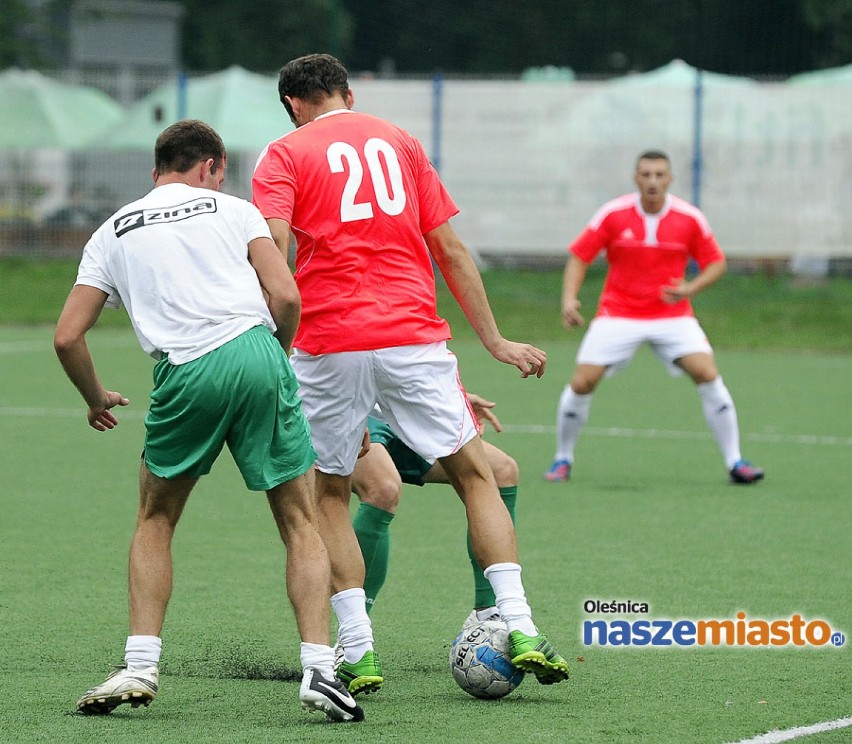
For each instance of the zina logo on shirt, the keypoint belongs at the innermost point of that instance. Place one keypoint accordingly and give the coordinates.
(159, 216)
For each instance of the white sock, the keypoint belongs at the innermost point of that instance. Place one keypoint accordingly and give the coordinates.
(486, 612)
(571, 417)
(354, 630)
(317, 656)
(142, 651)
(505, 579)
(721, 416)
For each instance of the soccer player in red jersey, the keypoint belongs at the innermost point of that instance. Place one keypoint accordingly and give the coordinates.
(649, 238)
(370, 214)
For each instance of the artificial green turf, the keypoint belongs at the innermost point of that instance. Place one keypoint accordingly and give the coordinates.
(742, 311)
(750, 311)
(648, 516)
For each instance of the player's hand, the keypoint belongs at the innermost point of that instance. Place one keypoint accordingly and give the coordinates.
(482, 411)
(101, 417)
(365, 444)
(526, 357)
(571, 317)
(678, 289)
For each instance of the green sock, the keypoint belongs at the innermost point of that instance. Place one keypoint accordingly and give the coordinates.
(483, 594)
(372, 528)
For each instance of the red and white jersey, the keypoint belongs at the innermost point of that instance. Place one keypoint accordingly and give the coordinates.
(646, 252)
(359, 193)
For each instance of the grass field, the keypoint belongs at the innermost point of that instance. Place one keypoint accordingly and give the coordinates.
(649, 516)
(745, 311)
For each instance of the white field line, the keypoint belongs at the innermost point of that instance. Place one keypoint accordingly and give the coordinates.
(95, 341)
(811, 439)
(614, 431)
(775, 737)
(17, 347)
(65, 412)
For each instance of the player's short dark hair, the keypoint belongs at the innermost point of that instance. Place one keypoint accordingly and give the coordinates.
(184, 144)
(312, 78)
(653, 155)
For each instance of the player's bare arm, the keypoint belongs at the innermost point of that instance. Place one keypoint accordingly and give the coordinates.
(463, 279)
(280, 230)
(465, 283)
(572, 280)
(680, 288)
(482, 411)
(365, 444)
(279, 288)
(82, 309)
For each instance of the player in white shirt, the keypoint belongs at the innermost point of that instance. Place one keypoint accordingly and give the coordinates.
(205, 288)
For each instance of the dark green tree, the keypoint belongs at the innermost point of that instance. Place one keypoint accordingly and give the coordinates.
(263, 34)
(506, 36)
(831, 22)
(761, 37)
(17, 34)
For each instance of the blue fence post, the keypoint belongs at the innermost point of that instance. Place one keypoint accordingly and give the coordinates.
(697, 134)
(437, 103)
(182, 83)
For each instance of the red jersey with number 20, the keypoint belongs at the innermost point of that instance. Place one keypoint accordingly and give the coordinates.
(646, 252)
(359, 193)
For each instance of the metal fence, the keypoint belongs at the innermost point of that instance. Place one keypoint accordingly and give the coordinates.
(529, 162)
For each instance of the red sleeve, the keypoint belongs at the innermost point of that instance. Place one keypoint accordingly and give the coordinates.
(589, 243)
(273, 186)
(436, 204)
(707, 251)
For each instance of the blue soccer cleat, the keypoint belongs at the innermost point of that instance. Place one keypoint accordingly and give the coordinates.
(560, 470)
(744, 472)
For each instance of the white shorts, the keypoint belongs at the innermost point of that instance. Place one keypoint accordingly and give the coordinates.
(417, 389)
(612, 342)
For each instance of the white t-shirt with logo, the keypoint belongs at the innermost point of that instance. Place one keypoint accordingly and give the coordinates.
(178, 260)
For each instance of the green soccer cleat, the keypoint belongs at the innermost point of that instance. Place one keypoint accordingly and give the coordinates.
(362, 676)
(535, 654)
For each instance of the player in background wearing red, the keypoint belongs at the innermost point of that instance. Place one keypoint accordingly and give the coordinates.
(649, 238)
(369, 214)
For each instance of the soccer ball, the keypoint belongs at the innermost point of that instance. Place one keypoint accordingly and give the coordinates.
(480, 663)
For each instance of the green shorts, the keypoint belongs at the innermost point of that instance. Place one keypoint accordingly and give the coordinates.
(411, 467)
(243, 394)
